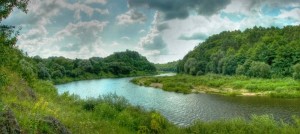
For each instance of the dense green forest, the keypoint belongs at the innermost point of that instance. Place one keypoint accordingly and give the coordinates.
(257, 52)
(119, 64)
(167, 67)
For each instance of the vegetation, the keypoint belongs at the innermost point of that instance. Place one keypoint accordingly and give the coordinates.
(119, 64)
(258, 52)
(228, 85)
(167, 67)
(29, 103)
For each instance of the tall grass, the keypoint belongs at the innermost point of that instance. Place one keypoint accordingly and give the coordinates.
(287, 87)
(109, 114)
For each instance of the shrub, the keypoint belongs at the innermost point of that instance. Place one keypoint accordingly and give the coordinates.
(27, 70)
(240, 70)
(89, 105)
(3, 79)
(296, 69)
(260, 69)
(106, 111)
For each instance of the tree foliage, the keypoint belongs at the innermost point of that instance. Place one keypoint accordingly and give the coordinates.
(273, 50)
(296, 73)
(118, 64)
(7, 6)
(167, 67)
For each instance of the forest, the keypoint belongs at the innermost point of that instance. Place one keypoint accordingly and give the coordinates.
(119, 64)
(167, 67)
(256, 52)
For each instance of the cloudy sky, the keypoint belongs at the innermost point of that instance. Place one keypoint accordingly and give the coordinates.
(161, 30)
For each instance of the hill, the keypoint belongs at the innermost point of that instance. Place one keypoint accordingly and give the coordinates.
(256, 52)
(119, 64)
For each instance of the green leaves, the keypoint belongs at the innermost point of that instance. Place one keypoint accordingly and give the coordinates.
(232, 52)
(6, 7)
(296, 73)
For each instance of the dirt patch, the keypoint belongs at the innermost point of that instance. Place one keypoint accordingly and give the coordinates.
(156, 85)
(239, 92)
(57, 125)
(8, 122)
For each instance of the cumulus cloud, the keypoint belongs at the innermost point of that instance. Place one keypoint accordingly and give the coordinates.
(153, 43)
(181, 8)
(76, 40)
(81, 34)
(42, 11)
(292, 14)
(130, 17)
(195, 36)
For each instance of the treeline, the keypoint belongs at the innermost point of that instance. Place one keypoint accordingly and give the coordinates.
(257, 52)
(119, 64)
(167, 67)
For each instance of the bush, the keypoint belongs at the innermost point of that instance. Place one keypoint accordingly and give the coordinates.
(57, 74)
(27, 70)
(240, 70)
(89, 105)
(296, 69)
(3, 79)
(260, 69)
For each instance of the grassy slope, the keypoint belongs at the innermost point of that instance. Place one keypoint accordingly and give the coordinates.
(229, 85)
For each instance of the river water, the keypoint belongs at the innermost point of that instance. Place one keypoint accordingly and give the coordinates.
(184, 109)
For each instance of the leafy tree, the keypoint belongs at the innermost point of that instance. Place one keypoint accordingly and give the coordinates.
(43, 72)
(229, 65)
(296, 69)
(57, 74)
(191, 66)
(260, 69)
(27, 70)
(240, 70)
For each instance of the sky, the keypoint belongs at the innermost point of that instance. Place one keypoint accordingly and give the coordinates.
(161, 30)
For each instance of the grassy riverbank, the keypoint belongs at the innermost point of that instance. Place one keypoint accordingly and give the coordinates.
(48, 112)
(227, 85)
(89, 76)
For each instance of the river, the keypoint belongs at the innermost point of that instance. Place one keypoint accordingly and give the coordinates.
(184, 109)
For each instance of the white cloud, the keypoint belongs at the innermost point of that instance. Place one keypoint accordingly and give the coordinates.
(125, 38)
(76, 40)
(292, 14)
(153, 44)
(142, 31)
(130, 17)
(81, 34)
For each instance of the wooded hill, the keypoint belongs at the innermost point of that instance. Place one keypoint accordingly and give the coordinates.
(256, 52)
(128, 63)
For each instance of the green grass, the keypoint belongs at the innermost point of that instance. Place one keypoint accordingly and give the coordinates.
(110, 114)
(285, 88)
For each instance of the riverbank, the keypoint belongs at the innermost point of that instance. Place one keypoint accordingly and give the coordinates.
(65, 80)
(225, 85)
(48, 112)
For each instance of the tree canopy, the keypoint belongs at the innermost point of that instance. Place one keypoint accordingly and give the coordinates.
(256, 52)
